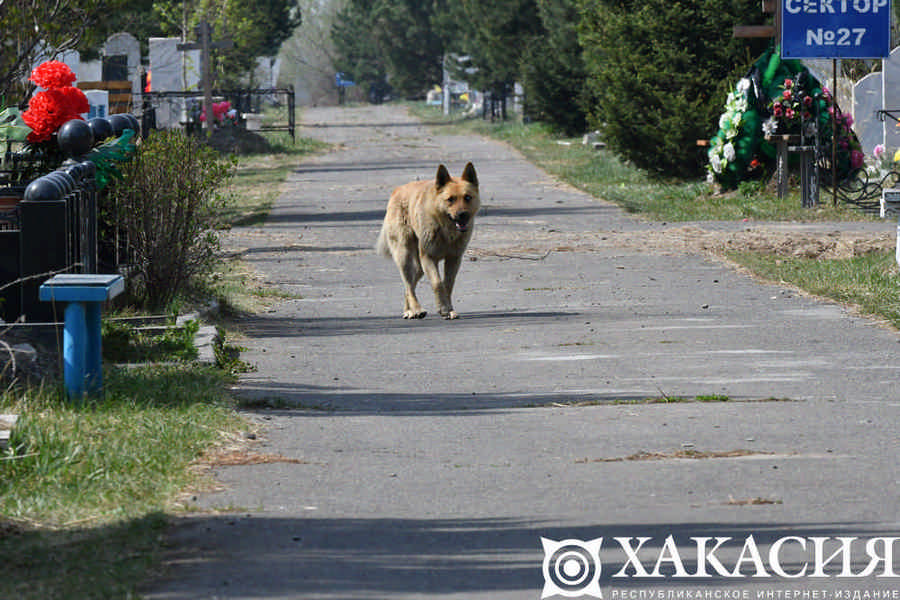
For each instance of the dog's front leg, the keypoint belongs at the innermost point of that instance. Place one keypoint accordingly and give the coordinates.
(441, 295)
(451, 268)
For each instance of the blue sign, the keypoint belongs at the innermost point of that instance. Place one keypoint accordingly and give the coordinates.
(835, 28)
(340, 80)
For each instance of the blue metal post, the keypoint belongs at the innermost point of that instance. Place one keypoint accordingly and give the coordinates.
(74, 345)
(82, 352)
(93, 350)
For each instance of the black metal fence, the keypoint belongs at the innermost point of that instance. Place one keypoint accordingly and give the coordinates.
(242, 100)
(46, 227)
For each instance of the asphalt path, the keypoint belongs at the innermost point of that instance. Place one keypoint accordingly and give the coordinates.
(427, 459)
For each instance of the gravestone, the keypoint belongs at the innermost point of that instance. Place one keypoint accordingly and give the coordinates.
(172, 70)
(122, 61)
(874, 92)
(892, 100)
(866, 100)
(84, 70)
(265, 75)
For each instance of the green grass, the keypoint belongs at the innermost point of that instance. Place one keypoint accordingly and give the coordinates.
(868, 282)
(605, 176)
(258, 178)
(84, 486)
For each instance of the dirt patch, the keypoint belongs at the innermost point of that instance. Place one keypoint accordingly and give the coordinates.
(790, 244)
(676, 455)
(692, 239)
(235, 458)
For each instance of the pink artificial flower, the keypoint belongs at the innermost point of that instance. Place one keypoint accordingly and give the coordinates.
(786, 94)
(788, 84)
(879, 151)
(857, 159)
(789, 113)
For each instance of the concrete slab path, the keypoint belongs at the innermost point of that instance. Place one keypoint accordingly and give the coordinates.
(427, 459)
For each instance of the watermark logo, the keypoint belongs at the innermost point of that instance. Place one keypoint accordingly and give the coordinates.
(572, 568)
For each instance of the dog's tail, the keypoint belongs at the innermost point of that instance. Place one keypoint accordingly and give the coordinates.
(381, 246)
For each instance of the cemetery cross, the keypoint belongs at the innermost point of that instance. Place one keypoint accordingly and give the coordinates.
(204, 32)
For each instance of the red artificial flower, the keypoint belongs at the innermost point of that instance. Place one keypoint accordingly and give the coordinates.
(786, 94)
(52, 74)
(48, 110)
(754, 164)
(788, 84)
(76, 101)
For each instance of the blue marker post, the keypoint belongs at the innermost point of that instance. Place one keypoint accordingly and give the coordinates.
(83, 368)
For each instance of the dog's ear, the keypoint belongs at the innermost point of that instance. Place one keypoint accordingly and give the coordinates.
(443, 177)
(469, 174)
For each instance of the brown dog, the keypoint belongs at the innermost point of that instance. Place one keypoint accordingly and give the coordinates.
(427, 222)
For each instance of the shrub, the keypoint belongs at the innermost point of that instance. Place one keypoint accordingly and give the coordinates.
(166, 203)
(658, 72)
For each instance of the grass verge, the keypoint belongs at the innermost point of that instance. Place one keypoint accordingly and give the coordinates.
(603, 175)
(868, 282)
(258, 178)
(84, 486)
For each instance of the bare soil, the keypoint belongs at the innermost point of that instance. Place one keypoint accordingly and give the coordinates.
(782, 241)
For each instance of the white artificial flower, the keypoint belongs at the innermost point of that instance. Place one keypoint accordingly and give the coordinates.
(769, 126)
(728, 152)
(743, 85)
(716, 163)
(724, 121)
(736, 120)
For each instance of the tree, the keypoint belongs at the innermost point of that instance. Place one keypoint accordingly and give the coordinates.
(308, 56)
(389, 40)
(358, 53)
(257, 28)
(494, 38)
(658, 73)
(412, 49)
(553, 72)
(29, 29)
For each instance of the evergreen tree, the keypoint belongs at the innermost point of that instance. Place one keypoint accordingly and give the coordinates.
(494, 37)
(659, 71)
(357, 52)
(553, 73)
(392, 40)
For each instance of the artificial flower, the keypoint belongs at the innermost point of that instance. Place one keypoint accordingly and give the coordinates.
(52, 74)
(728, 151)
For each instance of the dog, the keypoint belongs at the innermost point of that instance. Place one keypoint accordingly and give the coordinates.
(427, 222)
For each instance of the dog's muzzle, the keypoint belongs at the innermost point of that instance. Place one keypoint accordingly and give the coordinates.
(461, 221)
